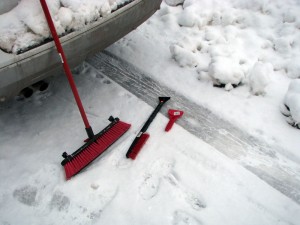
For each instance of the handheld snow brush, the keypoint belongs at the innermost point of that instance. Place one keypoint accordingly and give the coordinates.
(96, 144)
(142, 137)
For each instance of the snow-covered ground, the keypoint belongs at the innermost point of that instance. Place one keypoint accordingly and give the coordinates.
(177, 178)
(231, 42)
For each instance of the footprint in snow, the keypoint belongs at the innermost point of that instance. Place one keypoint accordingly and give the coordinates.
(59, 201)
(195, 201)
(183, 218)
(99, 76)
(106, 81)
(192, 198)
(81, 68)
(94, 215)
(5, 223)
(26, 195)
(87, 209)
(150, 185)
(103, 195)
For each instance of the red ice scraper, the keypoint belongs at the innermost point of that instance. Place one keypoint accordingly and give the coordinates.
(173, 115)
(142, 137)
(96, 144)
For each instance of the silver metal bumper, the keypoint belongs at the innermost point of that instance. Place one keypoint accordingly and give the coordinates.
(23, 70)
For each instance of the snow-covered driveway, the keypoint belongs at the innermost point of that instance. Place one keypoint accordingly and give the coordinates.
(233, 158)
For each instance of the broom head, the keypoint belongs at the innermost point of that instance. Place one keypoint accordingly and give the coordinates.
(75, 162)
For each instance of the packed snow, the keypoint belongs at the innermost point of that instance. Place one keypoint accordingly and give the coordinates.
(236, 35)
(25, 25)
(176, 178)
(249, 47)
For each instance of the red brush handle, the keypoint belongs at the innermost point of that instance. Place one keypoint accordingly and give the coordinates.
(65, 63)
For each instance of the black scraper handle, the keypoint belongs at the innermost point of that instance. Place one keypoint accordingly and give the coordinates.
(162, 101)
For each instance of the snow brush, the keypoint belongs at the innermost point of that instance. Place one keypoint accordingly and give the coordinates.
(96, 144)
(142, 137)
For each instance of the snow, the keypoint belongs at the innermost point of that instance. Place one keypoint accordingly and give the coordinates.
(232, 45)
(292, 102)
(176, 178)
(259, 77)
(221, 73)
(174, 2)
(249, 47)
(182, 56)
(27, 19)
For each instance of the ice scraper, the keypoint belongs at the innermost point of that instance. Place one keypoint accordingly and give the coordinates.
(173, 115)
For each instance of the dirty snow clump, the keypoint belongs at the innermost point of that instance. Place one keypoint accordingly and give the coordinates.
(224, 70)
(291, 107)
(174, 2)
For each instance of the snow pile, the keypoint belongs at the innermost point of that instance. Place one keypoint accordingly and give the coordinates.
(25, 26)
(87, 11)
(259, 77)
(221, 73)
(183, 56)
(291, 107)
(245, 40)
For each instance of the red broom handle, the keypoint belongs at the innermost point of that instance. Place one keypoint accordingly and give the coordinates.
(65, 63)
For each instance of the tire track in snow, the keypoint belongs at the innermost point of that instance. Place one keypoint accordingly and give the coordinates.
(264, 161)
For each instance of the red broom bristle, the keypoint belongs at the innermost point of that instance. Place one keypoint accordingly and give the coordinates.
(138, 146)
(95, 149)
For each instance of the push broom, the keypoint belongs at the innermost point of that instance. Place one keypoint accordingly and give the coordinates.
(96, 144)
